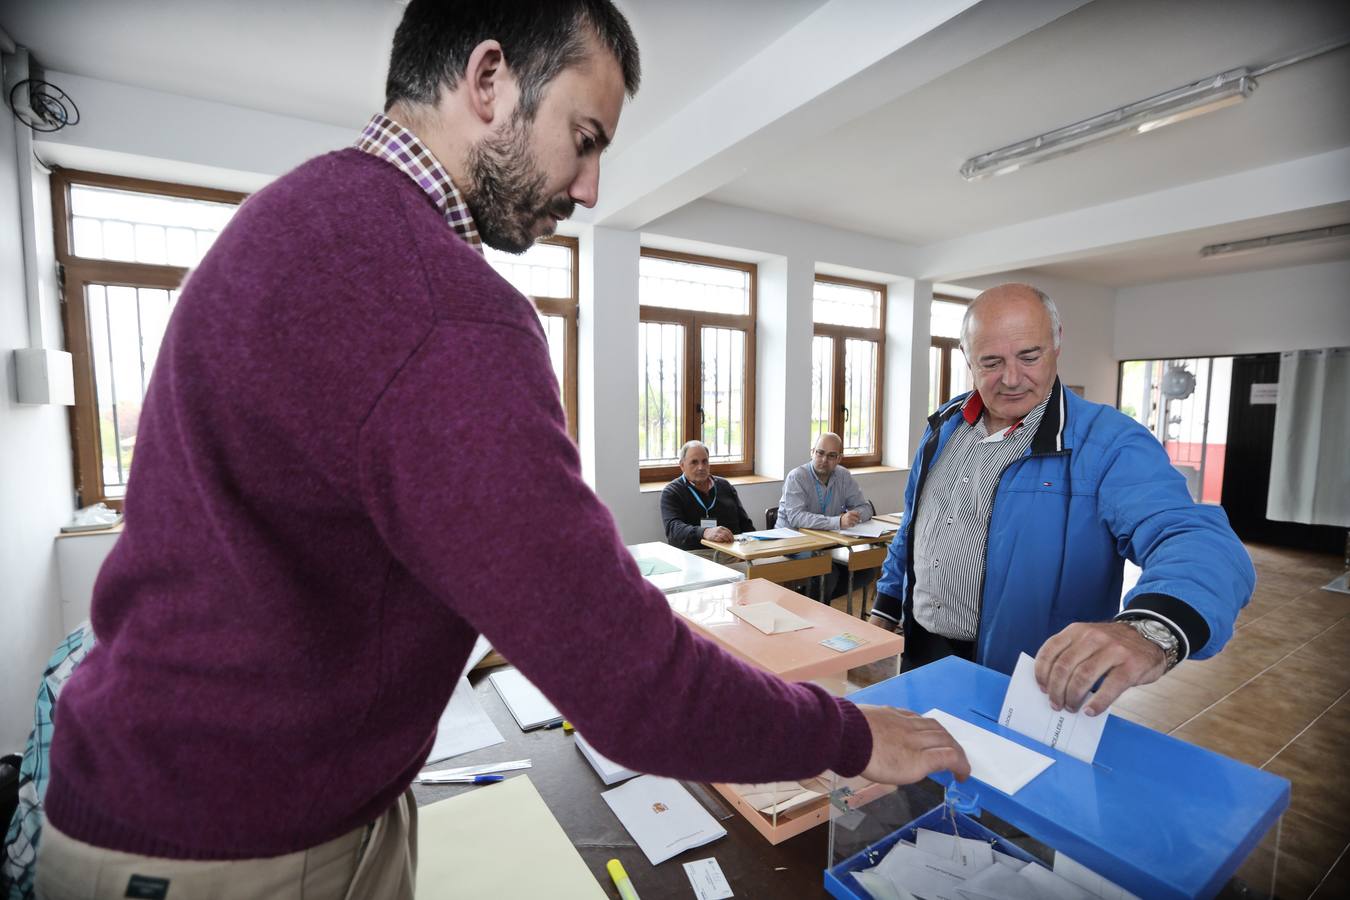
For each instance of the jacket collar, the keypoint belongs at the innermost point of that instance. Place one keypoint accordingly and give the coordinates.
(1049, 436)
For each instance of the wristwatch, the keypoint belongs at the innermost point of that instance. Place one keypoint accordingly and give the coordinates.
(1157, 633)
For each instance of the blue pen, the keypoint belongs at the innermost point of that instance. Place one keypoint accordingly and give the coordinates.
(472, 779)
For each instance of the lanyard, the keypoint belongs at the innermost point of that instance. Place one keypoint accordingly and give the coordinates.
(707, 507)
(823, 498)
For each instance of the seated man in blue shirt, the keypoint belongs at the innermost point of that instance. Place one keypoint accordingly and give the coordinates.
(822, 494)
(699, 505)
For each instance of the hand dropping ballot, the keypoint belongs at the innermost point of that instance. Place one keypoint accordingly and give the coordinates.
(1026, 709)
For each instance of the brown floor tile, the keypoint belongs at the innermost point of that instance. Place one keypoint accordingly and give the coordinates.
(1330, 735)
(1157, 713)
(1274, 636)
(1321, 788)
(1242, 739)
(1336, 884)
(1311, 840)
(1192, 695)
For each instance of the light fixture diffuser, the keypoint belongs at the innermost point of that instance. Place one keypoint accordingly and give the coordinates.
(1142, 116)
(1228, 248)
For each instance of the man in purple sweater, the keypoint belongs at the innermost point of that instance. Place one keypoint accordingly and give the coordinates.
(302, 576)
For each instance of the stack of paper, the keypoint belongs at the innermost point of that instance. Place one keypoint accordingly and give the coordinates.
(872, 528)
(775, 798)
(769, 618)
(528, 705)
(662, 817)
(939, 866)
(609, 771)
(769, 534)
(1026, 710)
(464, 726)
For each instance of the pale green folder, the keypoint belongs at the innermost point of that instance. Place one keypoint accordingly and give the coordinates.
(498, 840)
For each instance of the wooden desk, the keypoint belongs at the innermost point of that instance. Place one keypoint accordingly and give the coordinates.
(780, 570)
(893, 518)
(860, 554)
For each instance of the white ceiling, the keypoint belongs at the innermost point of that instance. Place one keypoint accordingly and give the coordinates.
(1177, 256)
(325, 60)
(893, 173)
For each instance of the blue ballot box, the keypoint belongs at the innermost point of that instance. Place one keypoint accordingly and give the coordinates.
(1157, 816)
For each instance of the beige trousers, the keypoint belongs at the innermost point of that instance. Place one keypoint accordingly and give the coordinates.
(375, 862)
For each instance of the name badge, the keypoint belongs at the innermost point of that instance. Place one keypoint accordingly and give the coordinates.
(707, 523)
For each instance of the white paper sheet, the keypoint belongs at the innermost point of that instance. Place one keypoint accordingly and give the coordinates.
(1071, 870)
(872, 528)
(662, 817)
(464, 726)
(995, 760)
(967, 851)
(528, 705)
(770, 618)
(706, 877)
(1026, 710)
(609, 771)
(769, 534)
(1000, 883)
(924, 874)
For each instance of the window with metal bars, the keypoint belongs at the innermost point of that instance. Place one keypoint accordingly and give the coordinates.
(696, 362)
(948, 374)
(547, 274)
(848, 365)
(123, 246)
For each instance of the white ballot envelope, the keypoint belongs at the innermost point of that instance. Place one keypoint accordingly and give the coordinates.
(770, 618)
(994, 759)
(1026, 710)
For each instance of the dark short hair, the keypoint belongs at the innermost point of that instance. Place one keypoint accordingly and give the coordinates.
(539, 38)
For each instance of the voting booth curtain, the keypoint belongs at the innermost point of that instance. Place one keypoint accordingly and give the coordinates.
(1309, 473)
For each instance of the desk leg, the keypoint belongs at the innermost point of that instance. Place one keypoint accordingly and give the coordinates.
(849, 601)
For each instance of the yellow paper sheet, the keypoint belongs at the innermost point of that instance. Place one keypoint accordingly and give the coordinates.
(498, 840)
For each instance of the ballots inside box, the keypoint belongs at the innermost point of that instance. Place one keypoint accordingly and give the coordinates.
(1205, 813)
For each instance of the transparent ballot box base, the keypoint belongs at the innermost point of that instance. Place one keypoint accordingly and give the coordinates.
(864, 862)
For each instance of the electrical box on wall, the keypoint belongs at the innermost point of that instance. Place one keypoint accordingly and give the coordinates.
(44, 377)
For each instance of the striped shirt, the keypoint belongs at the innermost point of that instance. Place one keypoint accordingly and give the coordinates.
(951, 524)
(387, 140)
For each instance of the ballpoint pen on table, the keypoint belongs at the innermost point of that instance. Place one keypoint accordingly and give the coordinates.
(472, 779)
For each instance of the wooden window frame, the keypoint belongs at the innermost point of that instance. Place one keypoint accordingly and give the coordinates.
(840, 334)
(75, 273)
(567, 308)
(948, 346)
(693, 323)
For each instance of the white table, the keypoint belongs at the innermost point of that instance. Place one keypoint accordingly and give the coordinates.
(693, 572)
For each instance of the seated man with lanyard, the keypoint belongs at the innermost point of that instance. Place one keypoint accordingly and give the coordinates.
(822, 494)
(699, 505)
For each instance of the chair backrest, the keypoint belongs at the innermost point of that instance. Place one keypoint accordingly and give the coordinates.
(771, 517)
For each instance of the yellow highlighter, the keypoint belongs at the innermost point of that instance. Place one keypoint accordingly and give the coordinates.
(621, 881)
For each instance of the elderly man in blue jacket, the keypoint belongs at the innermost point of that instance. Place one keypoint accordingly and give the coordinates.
(1022, 504)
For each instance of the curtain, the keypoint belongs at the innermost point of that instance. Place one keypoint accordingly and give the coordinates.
(1310, 465)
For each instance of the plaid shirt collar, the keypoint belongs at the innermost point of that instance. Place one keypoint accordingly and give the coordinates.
(386, 139)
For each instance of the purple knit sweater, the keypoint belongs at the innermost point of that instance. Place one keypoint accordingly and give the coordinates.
(350, 418)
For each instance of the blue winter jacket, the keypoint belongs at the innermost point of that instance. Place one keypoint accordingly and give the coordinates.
(1094, 488)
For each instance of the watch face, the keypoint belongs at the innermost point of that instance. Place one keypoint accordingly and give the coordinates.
(1158, 631)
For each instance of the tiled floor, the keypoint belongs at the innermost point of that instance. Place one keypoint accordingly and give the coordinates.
(1277, 697)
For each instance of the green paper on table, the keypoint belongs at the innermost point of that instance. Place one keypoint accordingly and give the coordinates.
(650, 567)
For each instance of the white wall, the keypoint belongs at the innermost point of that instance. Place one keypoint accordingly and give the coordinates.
(36, 484)
(1087, 355)
(1254, 312)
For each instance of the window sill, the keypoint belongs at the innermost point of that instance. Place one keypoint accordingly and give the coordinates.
(648, 487)
(874, 470)
(95, 532)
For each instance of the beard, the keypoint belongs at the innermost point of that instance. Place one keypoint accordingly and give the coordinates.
(506, 192)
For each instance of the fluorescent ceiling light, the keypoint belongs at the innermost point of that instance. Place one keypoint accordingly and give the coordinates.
(1167, 108)
(1331, 232)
